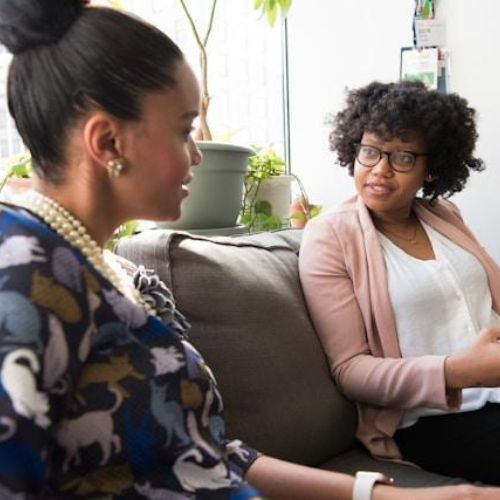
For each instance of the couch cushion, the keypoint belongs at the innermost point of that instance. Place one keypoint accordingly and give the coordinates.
(249, 320)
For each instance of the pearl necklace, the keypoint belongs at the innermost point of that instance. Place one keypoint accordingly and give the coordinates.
(75, 233)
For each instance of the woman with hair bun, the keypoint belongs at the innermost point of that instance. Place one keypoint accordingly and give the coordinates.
(405, 300)
(101, 395)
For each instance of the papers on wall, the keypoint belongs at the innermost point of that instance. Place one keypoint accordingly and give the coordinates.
(430, 33)
(420, 64)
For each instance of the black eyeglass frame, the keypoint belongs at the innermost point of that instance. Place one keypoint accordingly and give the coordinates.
(357, 147)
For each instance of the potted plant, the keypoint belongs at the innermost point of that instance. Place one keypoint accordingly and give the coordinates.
(217, 187)
(267, 194)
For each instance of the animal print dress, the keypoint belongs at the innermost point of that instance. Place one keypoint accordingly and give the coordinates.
(97, 398)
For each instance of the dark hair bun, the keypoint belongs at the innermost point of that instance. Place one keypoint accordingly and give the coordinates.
(24, 24)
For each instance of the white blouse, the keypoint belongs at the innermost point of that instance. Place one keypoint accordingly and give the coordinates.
(439, 307)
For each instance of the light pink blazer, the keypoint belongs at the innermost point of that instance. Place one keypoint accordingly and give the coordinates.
(344, 280)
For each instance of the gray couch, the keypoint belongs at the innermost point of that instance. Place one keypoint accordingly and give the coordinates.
(243, 299)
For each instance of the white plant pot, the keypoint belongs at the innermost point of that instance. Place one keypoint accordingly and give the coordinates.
(277, 192)
(216, 189)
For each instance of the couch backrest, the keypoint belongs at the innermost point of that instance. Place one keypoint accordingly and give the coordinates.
(243, 299)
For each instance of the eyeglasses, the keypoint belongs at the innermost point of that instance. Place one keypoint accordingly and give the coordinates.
(400, 161)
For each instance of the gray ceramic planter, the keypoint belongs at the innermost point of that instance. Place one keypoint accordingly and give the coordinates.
(216, 189)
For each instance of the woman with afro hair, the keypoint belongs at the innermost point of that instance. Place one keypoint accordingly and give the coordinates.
(405, 300)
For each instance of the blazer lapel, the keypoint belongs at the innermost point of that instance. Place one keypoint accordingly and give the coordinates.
(385, 340)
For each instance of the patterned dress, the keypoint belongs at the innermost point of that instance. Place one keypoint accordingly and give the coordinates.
(97, 398)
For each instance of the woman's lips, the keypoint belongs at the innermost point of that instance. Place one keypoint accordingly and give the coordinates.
(187, 179)
(185, 182)
(378, 189)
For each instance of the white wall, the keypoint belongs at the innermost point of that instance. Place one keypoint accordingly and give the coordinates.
(336, 45)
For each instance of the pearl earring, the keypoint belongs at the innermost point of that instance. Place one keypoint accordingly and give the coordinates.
(115, 166)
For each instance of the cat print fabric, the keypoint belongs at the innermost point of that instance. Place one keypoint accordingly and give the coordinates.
(97, 398)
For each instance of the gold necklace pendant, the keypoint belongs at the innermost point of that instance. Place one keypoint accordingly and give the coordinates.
(410, 239)
(75, 233)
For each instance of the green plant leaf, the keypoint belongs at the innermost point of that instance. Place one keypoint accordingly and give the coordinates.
(17, 166)
(271, 8)
(116, 4)
(272, 14)
(263, 207)
(245, 219)
(316, 210)
(22, 170)
(264, 164)
(123, 231)
(298, 216)
(263, 222)
(285, 6)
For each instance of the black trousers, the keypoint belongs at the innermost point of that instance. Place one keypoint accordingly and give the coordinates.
(463, 445)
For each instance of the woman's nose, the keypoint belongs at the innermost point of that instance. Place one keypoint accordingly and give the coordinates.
(383, 167)
(195, 153)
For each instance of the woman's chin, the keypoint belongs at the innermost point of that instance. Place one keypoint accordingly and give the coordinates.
(168, 215)
(171, 217)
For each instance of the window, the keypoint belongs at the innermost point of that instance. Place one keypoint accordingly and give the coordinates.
(10, 142)
(245, 70)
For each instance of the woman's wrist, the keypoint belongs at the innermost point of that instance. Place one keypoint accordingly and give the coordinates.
(385, 492)
(365, 483)
(453, 373)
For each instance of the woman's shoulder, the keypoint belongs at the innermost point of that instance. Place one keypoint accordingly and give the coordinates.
(37, 263)
(23, 238)
(18, 222)
(437, 204)
(337, 231)
(440, 207)
(342, 217)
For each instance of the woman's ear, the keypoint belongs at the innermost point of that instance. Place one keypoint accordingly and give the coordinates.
(100, 136)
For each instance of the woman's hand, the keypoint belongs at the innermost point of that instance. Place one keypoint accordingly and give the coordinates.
(460, 491)
(478, 365)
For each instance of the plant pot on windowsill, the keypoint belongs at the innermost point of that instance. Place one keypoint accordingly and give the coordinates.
(267, 192)
(216, 189)
(277, 192)
(267, 203)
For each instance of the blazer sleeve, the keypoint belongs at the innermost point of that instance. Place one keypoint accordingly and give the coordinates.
(340, 321)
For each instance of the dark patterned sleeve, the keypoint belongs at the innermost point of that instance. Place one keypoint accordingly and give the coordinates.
(203, 460)
(44, 335)
(225, 463)
(158, 295)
